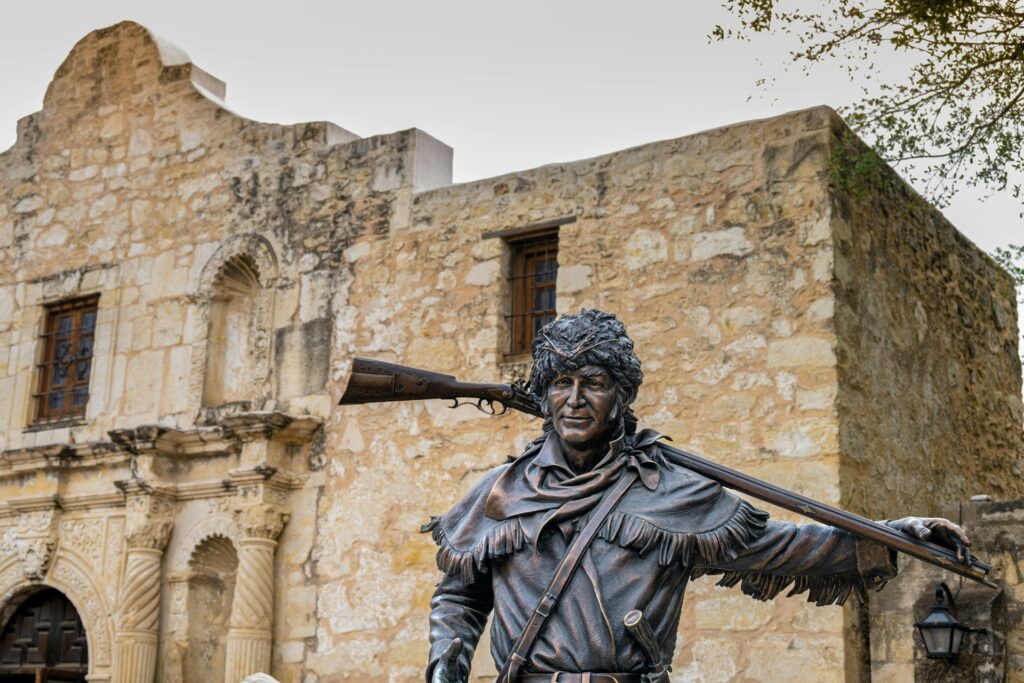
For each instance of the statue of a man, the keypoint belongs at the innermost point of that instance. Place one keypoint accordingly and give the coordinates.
(500, 545)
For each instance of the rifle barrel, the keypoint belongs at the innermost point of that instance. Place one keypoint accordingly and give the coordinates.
(832, 516)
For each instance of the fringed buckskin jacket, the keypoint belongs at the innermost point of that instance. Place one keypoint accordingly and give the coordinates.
(499, 546)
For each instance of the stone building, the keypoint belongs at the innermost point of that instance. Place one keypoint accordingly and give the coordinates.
(182, 291)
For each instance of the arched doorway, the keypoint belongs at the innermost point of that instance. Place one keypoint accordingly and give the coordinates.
(44, 642)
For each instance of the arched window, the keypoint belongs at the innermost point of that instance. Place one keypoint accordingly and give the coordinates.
(229, 342)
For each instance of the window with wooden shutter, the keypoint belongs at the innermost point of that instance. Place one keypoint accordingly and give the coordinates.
(532, 276)
(68, 337)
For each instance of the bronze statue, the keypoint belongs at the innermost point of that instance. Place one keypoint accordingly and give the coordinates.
(583, 545)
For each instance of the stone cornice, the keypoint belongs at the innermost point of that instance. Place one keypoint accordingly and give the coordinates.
(199, 441)
(15, 462)
(225, 437)
(140, 487)
(263, 474)
(247, 425)
(34, 503)
(13, 506)
(92, 500)
(222, 432)
(192, 490)
(214, 488)
(206, 488)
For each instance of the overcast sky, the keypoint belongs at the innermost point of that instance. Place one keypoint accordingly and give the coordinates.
(508, 85)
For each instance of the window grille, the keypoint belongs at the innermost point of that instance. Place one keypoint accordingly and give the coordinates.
(532, 276)
(63, 389)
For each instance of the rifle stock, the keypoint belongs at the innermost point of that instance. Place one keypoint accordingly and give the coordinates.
(374, 381)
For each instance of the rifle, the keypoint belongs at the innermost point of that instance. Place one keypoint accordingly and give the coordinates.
(373, 381)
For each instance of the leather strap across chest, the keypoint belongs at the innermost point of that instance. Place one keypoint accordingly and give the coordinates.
(510, 671)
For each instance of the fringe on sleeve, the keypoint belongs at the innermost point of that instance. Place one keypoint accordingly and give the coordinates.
(829, 589)
(504, 539)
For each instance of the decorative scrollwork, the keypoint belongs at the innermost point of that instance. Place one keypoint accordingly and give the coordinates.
(261, 521)
(36, 539)
(149, 521)
(484, 405)
(73, 580)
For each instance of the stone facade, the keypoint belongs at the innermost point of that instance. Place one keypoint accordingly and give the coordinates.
(216, 511)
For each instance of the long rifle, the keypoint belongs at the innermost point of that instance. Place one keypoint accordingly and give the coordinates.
(373, 381)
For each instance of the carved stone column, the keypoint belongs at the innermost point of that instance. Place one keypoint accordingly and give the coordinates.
(147, 530)
(176, 637)
(252, 610)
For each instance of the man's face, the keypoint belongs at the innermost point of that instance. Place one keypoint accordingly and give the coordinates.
(581, 403)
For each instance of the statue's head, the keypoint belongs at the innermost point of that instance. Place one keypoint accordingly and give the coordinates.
(574, 348)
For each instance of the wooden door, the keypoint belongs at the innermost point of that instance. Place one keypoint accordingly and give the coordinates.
(44, 642)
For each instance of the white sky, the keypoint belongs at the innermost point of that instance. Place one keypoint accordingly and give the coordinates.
(509, 85)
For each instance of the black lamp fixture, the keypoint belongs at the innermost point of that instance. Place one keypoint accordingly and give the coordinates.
(941, 632)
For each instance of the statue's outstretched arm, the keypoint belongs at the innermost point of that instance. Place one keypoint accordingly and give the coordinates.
(824, 562)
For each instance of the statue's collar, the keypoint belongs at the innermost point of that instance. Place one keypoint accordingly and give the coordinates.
(551, 454)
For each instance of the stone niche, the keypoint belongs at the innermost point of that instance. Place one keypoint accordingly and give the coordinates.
(210, 590)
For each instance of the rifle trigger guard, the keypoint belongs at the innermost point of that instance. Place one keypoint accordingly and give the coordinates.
(484, 405)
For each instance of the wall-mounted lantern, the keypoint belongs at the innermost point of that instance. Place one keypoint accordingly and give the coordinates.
(941, 632)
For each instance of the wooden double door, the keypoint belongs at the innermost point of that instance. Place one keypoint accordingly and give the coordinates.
(44, 642)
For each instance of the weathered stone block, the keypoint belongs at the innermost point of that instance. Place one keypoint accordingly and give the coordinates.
(800, 351)
(729, 242)
(483, 274)
(776, 657)
(645, 248)
(143, 382)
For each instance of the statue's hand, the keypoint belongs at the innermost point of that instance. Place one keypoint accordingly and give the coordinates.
(447, 668)
(937, 530)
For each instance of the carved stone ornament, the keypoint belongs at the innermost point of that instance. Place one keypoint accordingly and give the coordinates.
(261, 521)
(36, 539)
(35, 557)
(149, 518)
(260, 494)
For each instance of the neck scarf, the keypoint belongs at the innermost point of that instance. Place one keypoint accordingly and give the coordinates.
(546, 482)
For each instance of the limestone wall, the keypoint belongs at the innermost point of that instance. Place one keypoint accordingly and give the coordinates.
(928, 398)
(929, 393)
